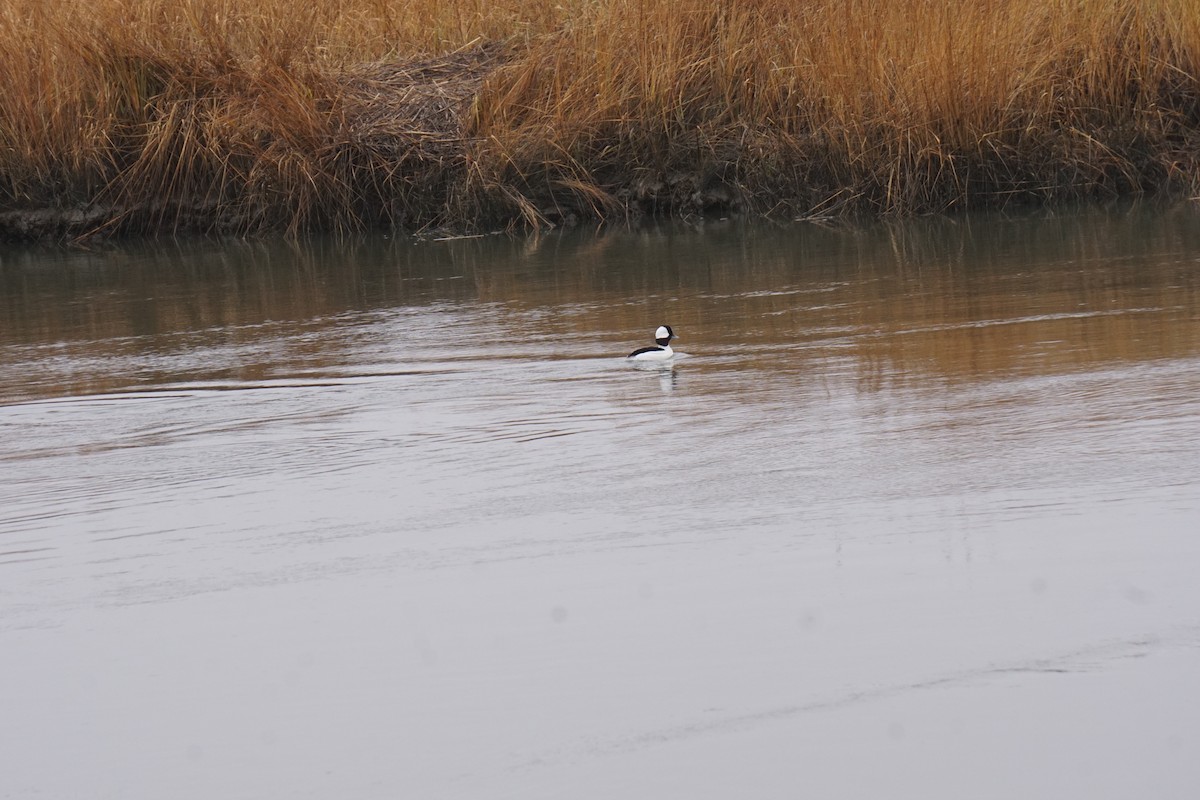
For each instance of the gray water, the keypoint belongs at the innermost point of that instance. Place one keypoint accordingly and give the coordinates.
(916, 514)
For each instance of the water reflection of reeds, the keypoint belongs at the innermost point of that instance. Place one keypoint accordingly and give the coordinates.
(970, 296)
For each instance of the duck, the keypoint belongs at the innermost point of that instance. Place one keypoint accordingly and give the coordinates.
(661, 351)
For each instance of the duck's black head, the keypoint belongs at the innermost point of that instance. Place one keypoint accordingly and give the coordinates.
(664, 335)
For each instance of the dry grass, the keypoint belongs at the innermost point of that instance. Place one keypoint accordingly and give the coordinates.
(144, 115)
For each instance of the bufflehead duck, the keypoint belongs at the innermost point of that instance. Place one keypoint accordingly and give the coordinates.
(662, 349)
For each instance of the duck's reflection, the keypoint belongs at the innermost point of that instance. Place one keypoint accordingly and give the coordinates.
(668, 376)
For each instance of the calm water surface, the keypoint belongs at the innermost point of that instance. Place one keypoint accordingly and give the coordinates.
(916, 515)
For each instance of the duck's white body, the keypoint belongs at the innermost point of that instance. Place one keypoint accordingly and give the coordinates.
(652, 354)
(661, 351)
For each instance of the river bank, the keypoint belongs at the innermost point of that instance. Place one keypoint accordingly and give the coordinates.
(149, 117)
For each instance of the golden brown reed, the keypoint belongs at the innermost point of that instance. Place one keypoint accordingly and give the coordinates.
(139, 115)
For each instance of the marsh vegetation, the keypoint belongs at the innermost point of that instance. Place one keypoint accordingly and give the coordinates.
(126, 116)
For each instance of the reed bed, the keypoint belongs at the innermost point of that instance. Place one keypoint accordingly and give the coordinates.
(132, 116)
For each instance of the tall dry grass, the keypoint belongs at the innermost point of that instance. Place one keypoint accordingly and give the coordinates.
(895, 106)
(140, 115)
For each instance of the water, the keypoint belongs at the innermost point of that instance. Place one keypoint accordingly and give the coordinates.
(915, 515)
